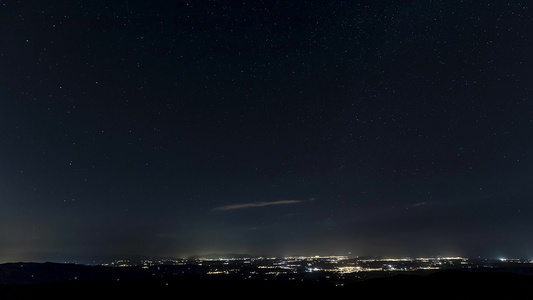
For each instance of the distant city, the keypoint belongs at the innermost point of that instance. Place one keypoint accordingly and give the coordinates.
(318, 267)
(332, 276)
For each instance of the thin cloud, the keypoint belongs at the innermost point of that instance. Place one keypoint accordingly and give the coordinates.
(256, 204)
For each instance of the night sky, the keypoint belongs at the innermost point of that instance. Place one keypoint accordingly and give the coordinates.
(174, 128)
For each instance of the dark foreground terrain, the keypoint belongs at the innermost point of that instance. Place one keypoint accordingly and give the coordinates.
(65, 281)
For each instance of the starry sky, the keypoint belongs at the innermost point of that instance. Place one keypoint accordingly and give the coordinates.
(174, 128)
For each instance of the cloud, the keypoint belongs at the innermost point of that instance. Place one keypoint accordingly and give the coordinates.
(256, 204)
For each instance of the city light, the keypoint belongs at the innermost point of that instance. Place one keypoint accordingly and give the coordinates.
(334, 268)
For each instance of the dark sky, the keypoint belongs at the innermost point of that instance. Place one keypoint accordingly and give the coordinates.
(172, 128)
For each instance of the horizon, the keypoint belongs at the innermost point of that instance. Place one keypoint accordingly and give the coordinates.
(237, 256)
